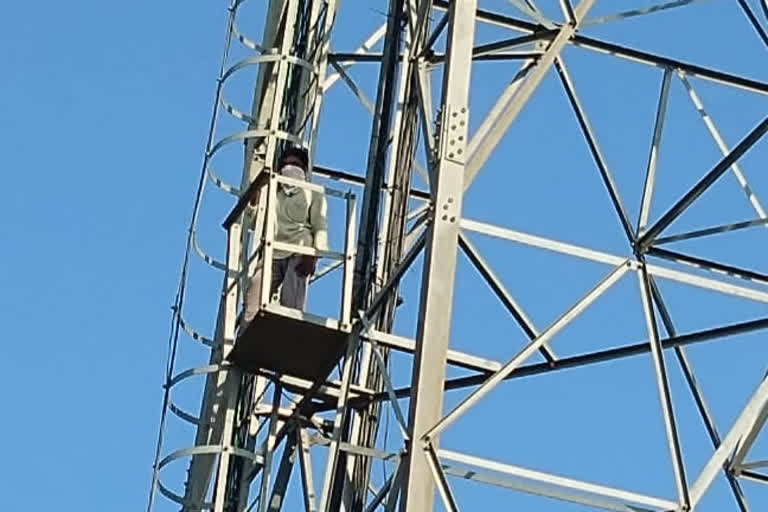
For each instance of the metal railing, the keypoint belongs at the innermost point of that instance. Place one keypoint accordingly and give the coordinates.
(263, 192)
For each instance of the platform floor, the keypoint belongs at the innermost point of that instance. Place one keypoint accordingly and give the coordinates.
(288, 345)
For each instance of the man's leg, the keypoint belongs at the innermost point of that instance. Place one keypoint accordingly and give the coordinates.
(252, 306)
(294, 291)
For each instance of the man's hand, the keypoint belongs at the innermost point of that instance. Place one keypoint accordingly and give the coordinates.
(306, 266)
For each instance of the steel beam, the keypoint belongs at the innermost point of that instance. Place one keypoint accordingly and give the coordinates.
(741, 427)
(433, 332)
(505, 111)
(653, 157)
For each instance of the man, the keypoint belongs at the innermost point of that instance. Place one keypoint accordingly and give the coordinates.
(300, 220)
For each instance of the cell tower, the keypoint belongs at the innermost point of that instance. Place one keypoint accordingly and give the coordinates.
(592, 204)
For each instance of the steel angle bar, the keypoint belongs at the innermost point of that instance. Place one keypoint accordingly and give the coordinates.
(492, 381)
(419, 19)
(380, 495)
(712, 266)
(455, 357)
(503, 295)
(594, 148)
(665, 397)
(391, 392)
(326, 270)
(746, 419)
(356, 58)
(364, 48)
(523, 55)
(623, 52)
(694, 193)
(424, 90)
(266, 473)
(419, 212)
(541, 242)
(387, 382)
(745, 444)
(568, 12)
(754, 21)
(396, 487)
(433, 37)
(755, 476)
(535, 14)
(718, 138)
(324, 392)
(639, 12)
(709, 284)
(415, 233)
(502, 116)
(559, 481)
(284, 470)
(488, 124)
(600, 356)
(353, 179)
(725, 228)
(698, 396)
(305, 462)
(651, 59)
(326, 501)
(359, 94)
(439, 268)
(395, 277)
(547, 491)
(354, 449)
(653, 157)
(755, 465)
(443, 489)
(514, 42)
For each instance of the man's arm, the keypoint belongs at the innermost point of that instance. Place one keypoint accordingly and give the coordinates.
(318, 224)
(318, 221)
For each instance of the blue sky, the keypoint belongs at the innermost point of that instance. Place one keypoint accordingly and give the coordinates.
(105, 109)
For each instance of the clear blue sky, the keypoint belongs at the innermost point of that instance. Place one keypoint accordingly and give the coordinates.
(105, 108)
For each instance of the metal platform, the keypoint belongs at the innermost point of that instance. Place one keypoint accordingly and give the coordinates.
(288, 342)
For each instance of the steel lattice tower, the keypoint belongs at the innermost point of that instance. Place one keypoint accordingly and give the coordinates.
(295, 392)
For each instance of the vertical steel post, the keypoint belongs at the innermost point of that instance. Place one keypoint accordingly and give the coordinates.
(440, 261)
(228, 378)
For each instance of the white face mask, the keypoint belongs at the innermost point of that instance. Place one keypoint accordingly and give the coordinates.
(294, 172)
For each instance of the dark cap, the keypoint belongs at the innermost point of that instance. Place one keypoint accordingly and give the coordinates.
(296, 152)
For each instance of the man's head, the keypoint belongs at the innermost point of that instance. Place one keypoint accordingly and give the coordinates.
(293, 155)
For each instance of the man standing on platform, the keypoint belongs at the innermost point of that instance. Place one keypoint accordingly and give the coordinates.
(300, 220)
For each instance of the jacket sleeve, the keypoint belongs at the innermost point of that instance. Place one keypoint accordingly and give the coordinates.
(318, 213)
